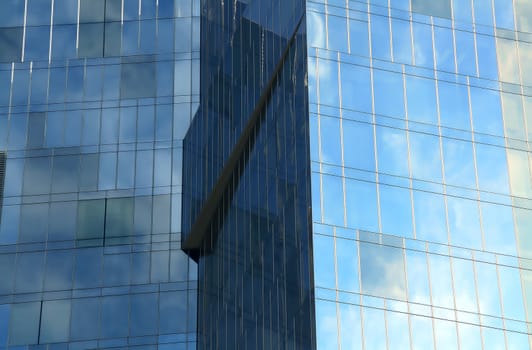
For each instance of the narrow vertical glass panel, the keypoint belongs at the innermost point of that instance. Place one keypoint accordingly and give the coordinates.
(12, 13)
(527, 290)
(119, 217)
(91, 11)
(358, 35)
(523, 222)
(392, 151)
(337, 33)
(137, 78)
(525, 59)
(396, 210)
(5, 90)
(65, 174)
(116, 269)
(483, 14)
(374, 329)
(346, 264)
(146, 123)
(358, 145)
(39, 13)
(498, 228)
(159, 266)
(315, 182)
(523, 11)
(20, 87)
(90, 219)
(326, 329)
(179, 265)
(504, 14)
(465, 52)
(4, 323)
(388, 93)
(380, 37)
(440, 8)
(128, 124)
(331, 193)
(443, 46)
(398, 330)
(508, 60)
(422, 338)
(487, 57)
(39, 86)
(17, 131)
(14, 170)
(441, 282)
(421, 100)
(402, 41)
(73, 125)
(114, 316)
(464, 223)
(113, 39)
(519, 171)
(91, 40)
(33, 222)
(492, 168)
(494, 337)
(161, 214)
(109, 126)
(459, 162)
(513, 116)
(30, 268)
(361, 205)
(425, 157)
(91, 127)
(324, 270)
(111, 82)
(37, 174)
(148, 36)
(487, 112)
(143, 314)
(58, 272)
(165, 80)
(36, 128)
(330, 134)
(418, 278)
(107, 171)
(65, 11)
(464, 285)
(10, 224)
(350, 327)
(511, 293)
(62, 221)
(183, 78)
(382, 271)
(88, 172)
(488, 294)
(88, 269)
(24, 323)
(429, 209)
(423, 54)
(163, 120)
(113, 10)
(126, 170)
(462, 10)
(163, 167)
(37, 43)
(328, 82)
(144, 169)
(10, 44)
(445, 334)
(57, 86)
(469, 336)
(172, 304)
(356, 87)
(142, 217)
(55, 321)
(85, 319)
(7, 270)
(140, 268)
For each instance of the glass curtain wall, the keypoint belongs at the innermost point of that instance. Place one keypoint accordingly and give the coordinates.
(95, 99)
(420, 117)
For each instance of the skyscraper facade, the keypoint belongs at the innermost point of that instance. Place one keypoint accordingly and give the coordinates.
(95, 99)
(421, 174)
(400, 130)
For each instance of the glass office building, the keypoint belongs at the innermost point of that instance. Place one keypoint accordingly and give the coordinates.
(95, 99)
(421, 173)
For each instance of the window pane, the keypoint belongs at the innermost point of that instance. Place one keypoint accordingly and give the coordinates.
(119, 217)
(58, 272)
(90, 219)
(143, 314)
(55, 321)
(10, 44)
(440, 8)
(85, 319)
(24, 323)
(91, 40)
(138, 79)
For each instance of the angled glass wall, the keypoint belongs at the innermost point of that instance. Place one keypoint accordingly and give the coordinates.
(421, 173)
(95, 99)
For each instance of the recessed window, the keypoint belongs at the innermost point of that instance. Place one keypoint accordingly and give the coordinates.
(138, 77)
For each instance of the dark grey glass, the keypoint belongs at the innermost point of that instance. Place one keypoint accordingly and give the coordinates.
(91, 11)
(55, 321)
(65, 174)
(441, 8)
(90, 219)
(88, 172)
(24, 323)
(113, 10)
(36, 127)
(119, 217)
(10, 44)
(91, 39)
(113, 39)
(138, 79)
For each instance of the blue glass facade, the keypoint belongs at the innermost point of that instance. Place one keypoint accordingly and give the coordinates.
(421, 180)
(95, 99)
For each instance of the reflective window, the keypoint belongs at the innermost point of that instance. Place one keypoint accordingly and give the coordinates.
(138, 79)
(356, 87)
(84, 323)
(114, 316)
(388, 92)
(440, 8)
(358, 145)
(55, 321)
(10, 44)
(429, 209)
(91, 39)
(421, 100)
(396, 210)
(361, 205)
(143, 314)
(24, 323)
(119, 217)
(380, 37)
(90, 219)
